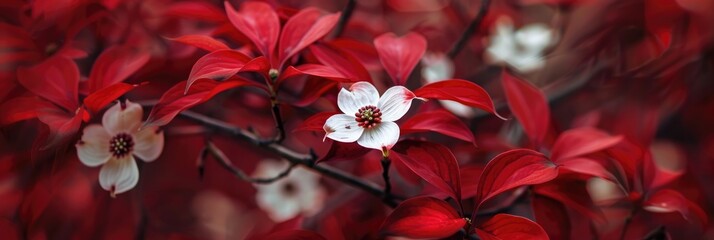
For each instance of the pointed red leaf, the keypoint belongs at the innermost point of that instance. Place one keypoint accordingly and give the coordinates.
(257, 21)
(529, 105)
(56, 79)
(18, 109)
(205, 11)
(459, 90)
(343, 151)
(97, 100)
(302, 29)
(587, 167)
(572, 193)
(295, 234)
(313, 89)
(62, 124)
(506, 226)
(552, 216)
(423, 217)
(439, 121)
(313, 70)
(217, 65)
(667, 200)
(582, 141)
(315, 122)
(399, 55)
(115, 65)
(433, 162)
(174, 100)
(207, 43)
(512, 169)
(342, 61)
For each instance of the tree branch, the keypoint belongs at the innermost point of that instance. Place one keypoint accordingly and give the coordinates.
(470, 29)
(344, 18)
(292, 156)
(221, 158)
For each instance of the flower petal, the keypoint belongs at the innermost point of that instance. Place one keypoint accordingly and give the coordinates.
(395, 102)
(117, 120)
(148, 143)
(359, 95)
(342, 128)
(119, 175)
(384, 134)
(93, 148)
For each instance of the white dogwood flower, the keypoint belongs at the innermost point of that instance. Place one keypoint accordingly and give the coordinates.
(114, 145)
(298, 193)
(367, 118)
(522, 49)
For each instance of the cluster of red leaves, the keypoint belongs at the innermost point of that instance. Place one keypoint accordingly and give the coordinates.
(624, 95)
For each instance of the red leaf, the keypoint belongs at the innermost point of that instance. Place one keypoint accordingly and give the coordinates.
(423, 217)
(315, 122)
(587, 167)
(582, 141)
(115, 65)
(552, 216)
(203, 42)
(294, 234)
(314, 88)
(433, 162)
(529, 105)
(313, 70)
(399, 55)
(174, 100)
(56, 79)
(343, 151)
(572, 193)
(259, 22)
(196, 10)
(512, 169)
(18, 109)
(505, 226)
(461, 91)
(97, 100)
(341, 61)
(469, 180)
(217, 65)
(440, 121)
(667, 200)
(62, 124)
(304, 28)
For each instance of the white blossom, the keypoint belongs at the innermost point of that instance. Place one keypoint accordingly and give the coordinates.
(114, 144)
(368, 118)
(523, 48)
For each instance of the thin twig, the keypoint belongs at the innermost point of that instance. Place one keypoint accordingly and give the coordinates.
(385, 175)
(307, 160)
(221, 158)
(344, 18)
(470, 29)
(278, 123)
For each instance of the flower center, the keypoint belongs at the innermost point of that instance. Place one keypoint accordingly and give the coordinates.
(368, 117)
(121, 145)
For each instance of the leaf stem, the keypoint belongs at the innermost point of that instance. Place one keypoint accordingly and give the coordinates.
(385, 175)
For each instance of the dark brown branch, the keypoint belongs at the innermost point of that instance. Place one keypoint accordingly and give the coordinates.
(344, 18)
(385, 175)
(470, 29)
(221, 158)
(290, 155)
